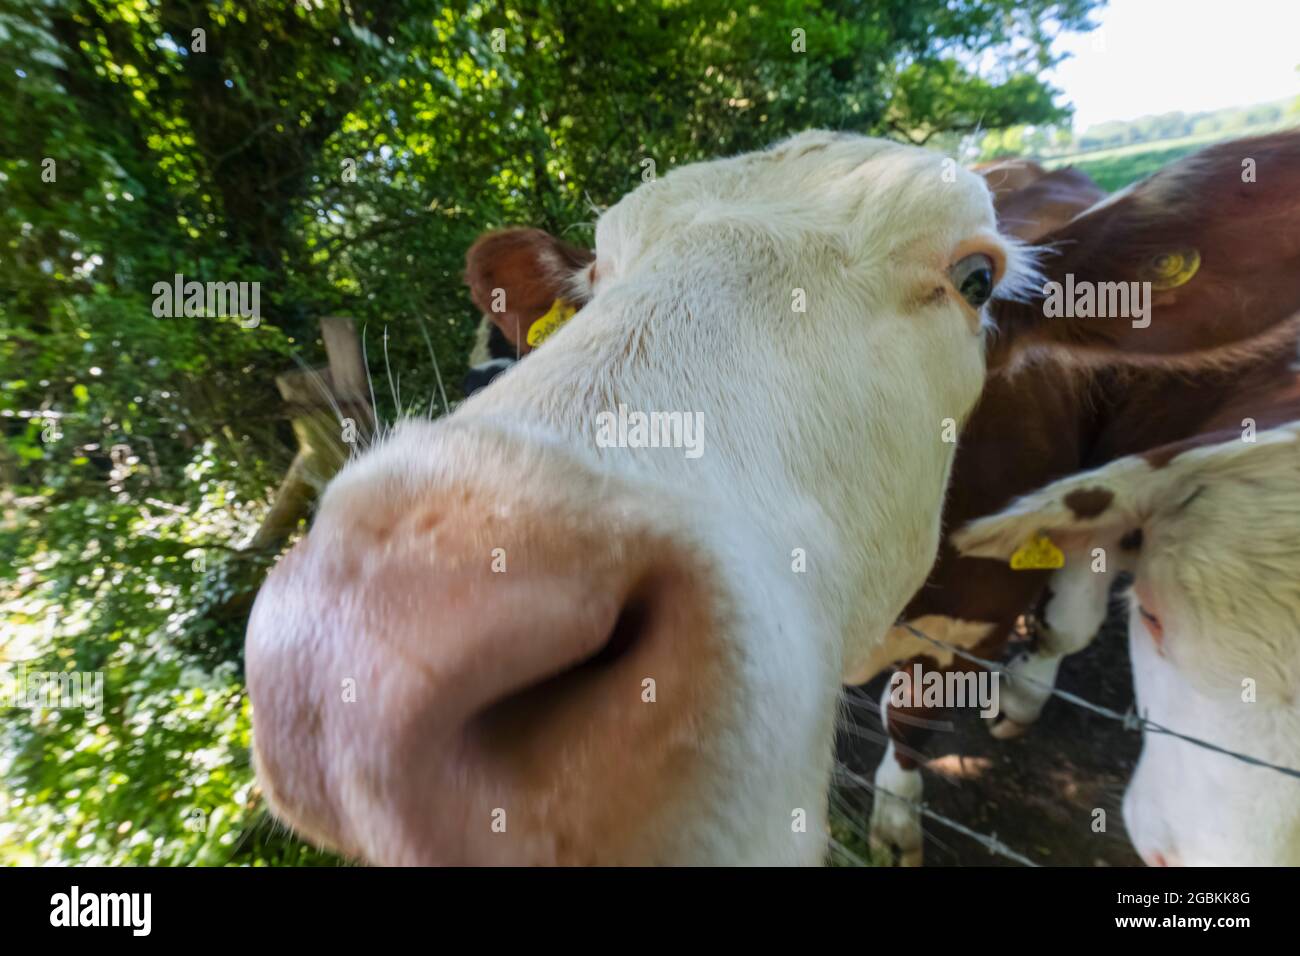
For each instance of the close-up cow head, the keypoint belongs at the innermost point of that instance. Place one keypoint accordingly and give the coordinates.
(1209, 243)
(614, 654)
(511, 638)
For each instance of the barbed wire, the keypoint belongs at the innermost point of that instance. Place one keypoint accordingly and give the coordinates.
(989, 841)
(1131, 721)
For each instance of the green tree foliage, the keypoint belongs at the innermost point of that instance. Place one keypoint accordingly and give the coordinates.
(343, 156)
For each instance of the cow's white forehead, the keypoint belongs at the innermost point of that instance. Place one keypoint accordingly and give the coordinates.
(1223, 546)
(865, 195)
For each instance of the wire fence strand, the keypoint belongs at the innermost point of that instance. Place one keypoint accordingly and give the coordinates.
(1132, 721)
(989, 841)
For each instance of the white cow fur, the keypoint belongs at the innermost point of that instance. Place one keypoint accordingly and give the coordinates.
(844, 223)
(1220, 567)
(819, 432)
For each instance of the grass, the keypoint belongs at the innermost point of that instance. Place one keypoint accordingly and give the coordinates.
(1114, 169)
(1117, 171)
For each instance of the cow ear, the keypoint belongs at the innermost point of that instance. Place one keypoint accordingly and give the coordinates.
(1072, 512)
(516, 276)
(1044, 204)
(1210, 246)
(1133, 491)
(1007, 176)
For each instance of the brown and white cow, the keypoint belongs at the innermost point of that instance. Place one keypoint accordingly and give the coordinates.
(509, 639)
(1214, 631)
(517, 278)
(1225, 251)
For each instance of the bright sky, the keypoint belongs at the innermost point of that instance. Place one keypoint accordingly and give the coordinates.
(1158, 56)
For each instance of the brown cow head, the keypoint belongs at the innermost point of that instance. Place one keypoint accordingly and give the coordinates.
(1209, 248)
(516, 276)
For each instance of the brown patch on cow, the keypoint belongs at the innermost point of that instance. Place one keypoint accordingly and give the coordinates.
(1211, 405)
(910, 725)
(1089, 502)
(1026, 432)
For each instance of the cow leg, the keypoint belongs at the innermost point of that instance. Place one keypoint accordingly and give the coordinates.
(895, 809)
(1075, 609)
(895, 814)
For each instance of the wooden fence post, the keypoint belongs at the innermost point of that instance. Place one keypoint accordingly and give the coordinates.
(331, 413)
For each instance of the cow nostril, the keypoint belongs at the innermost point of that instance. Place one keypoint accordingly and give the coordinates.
(635, 621)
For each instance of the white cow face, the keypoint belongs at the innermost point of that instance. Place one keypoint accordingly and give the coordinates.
(1214, 633)
(1214, 636)
(524, 634)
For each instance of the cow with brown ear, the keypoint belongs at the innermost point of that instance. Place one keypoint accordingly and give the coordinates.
(1217, 236)
(519, 279)
(543, 630)
(1214, 631)
(1214, 236)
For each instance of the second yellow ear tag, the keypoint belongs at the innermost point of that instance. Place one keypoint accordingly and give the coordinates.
(541, 330)
(1171, 269)
(1037, 552)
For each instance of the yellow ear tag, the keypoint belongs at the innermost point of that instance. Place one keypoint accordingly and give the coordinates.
(1171, 269)
(1037, 552)
(541, 330)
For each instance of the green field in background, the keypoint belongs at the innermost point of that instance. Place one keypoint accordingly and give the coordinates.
(1118, 169)
(1114, 169)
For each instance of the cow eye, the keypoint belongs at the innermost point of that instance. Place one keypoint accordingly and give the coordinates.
(973, 278)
